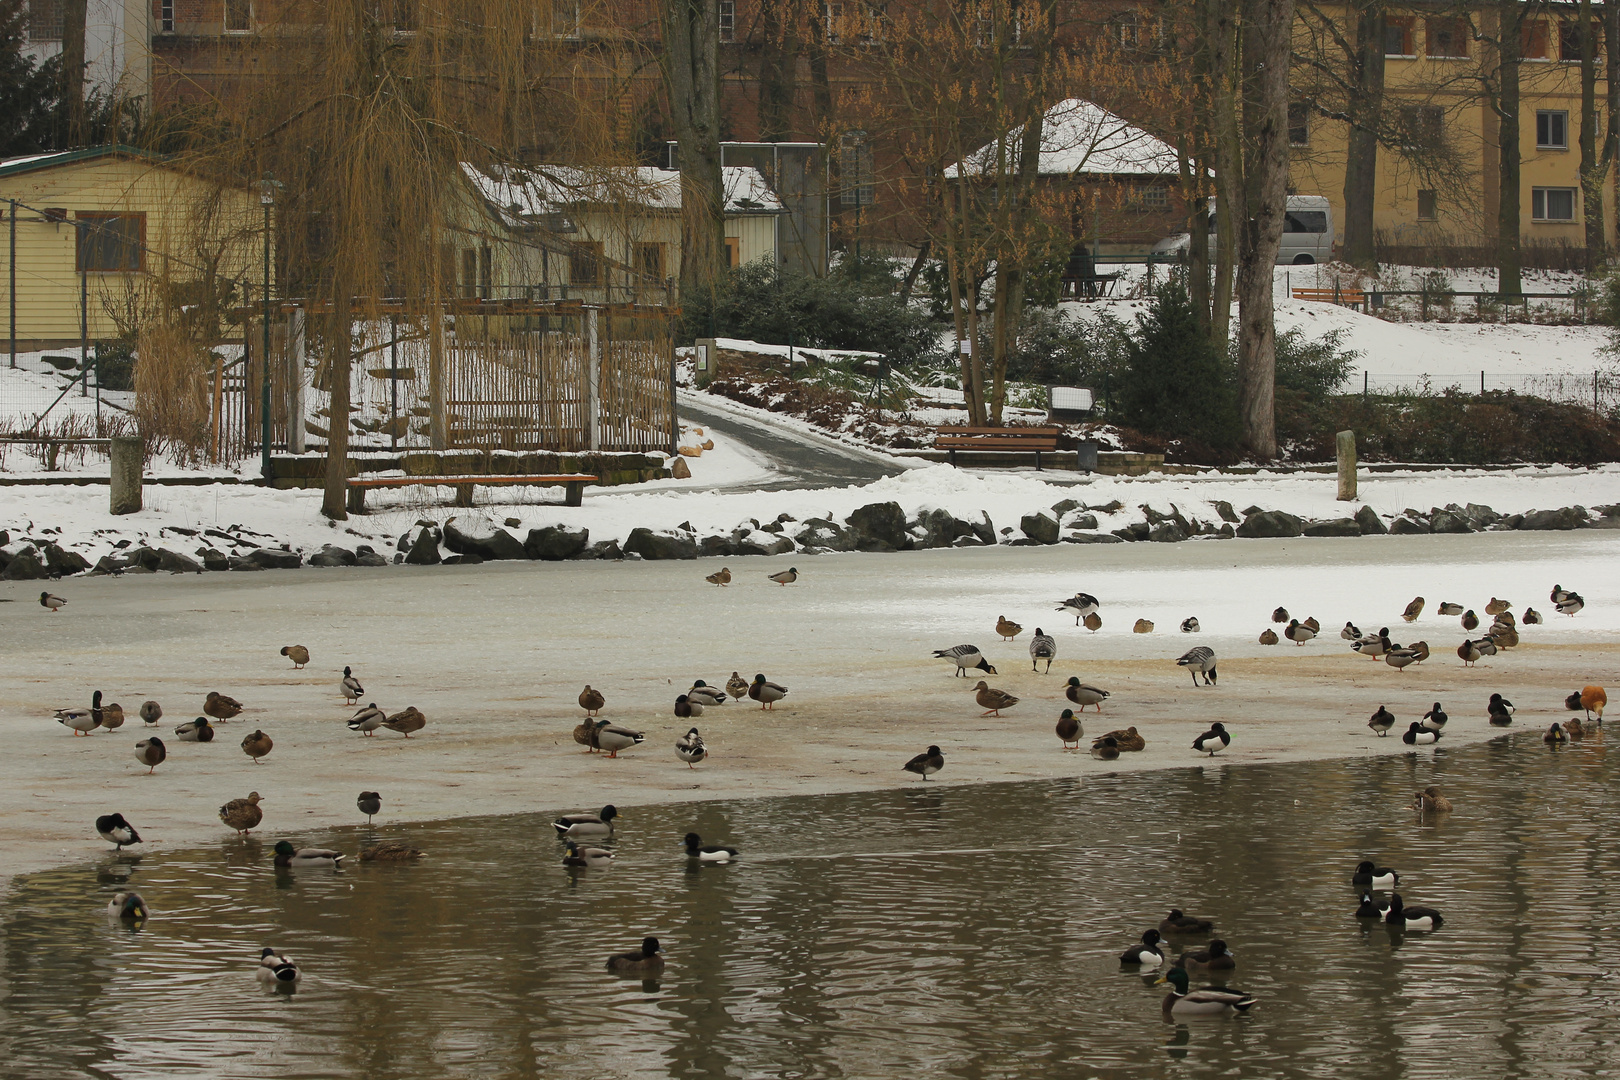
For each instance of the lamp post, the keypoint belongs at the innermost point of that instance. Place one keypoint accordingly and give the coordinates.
(267, 199)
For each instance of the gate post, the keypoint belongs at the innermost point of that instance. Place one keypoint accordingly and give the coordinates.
(295, 381)
(127, 456)
(593, 379)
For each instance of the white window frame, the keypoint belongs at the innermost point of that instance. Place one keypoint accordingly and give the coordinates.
(1550, 115)
(225, 19)
(572, 30)
(1538, 205)
(166, 17)
(728, 21)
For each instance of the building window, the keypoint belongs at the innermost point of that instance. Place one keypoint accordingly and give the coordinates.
(1552, 204)
(871, 28)
(486, 272)
(404, 16)
(832, 17)
(855, 169)
(469, 273)
(1428, 206)
(1153, 197)
(1533, 39)
(585, 263)
(728, 20)
(165, 17)
(1447, 38)
(565, 18)
(1569, 40)
(650, 261)
(733, 252)
(1421, 127)
(1299, 123)
(989, 22)
(44, 20)
(1398, 36)
(109, 243)
(1552, 129)
(1127, 29)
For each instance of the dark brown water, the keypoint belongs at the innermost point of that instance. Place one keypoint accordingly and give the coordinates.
(939, 930)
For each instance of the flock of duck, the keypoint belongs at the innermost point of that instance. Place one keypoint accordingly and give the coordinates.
(599, 735)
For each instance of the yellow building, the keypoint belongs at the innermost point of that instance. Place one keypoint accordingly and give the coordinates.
(105, 235)
(1444, 193)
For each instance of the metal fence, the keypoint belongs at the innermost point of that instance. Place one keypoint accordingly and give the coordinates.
(1596, 389)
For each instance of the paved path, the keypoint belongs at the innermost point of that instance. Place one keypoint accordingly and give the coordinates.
(800, 462)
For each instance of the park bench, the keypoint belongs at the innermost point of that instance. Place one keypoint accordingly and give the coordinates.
(574, 483)
(1041, 440)
(1350, 298)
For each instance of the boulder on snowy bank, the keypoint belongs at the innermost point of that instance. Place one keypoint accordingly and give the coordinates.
(1553, 520)
(660, 545)
(1333, 527)
(1041, 528)
(332, 555)
(424, 548)
(276, 558)
(555, 543)
(1270, 524)
(495, 544)
(25, 565)
(879, 527)
(1371, 524)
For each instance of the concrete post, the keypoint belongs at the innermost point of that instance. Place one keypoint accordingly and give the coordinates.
(295, 381)
(1346, 444)
(128, 456)
(438, 408)
(593, 380)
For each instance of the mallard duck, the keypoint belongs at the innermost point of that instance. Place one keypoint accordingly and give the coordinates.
(116, 831)
(151, 713)
(1370, 908)
(1142, 626)
(585, 735)
(927, 763)
(1190, 626)
(82, 721)
(583, 826)
(370, 804)
(686, 708)
(591, 700)
(1496, 607)
(151, 753)
(1532, 617)
(1312, 625)
(1500, 710)
(1042, 646)
(1593, 698)
(1556, 735)
(1210, 1001)
(1417, 735)
(1574, 729)
(991, 700)
(1128, 740)
(1212, 741)
(1468, 652)
(1213, 958)
(1105, 749)
(1370, 875)
(1374, 646)
(243, 814)
(696, 849)
(390, 851)
(1413, 610)
(112, 716)
(1279, 615)
(786, 577)
(704, 694)
(407, 720)
(276, 968)
(1506, 619)
(690, 749)
(297, 654)
(766, 693)
(1470, 621)
(1412, 918)
(1269, 636)
(221, 706)
(1448, 608)
(613, 738)
(587, 856)
(1080, 605)
(1504, 636)
(1093, 622)
(1430, 799)
(127, 905)
(1298, 632)
(646, 962)
(51, 602)
(1486, 645)
(1400, 659)
(1178, 923)
(1382, 721)
(1570, 605)
(197, 731)
(350, 687)
(964, 657)
(1199, 661)
(1007, 628)
(737, 686)
(368, 719)
(1069, 729)
(257, 745)
(721, 576)
(1146, 954)
(1351, 632)
(1435, 719)
(287, 855)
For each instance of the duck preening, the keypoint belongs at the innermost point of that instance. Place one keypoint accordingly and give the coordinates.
(277, 967)
(151, 753)
(1418, 735)
(1532, 617)
(686, 708)
(350, 687)
(1570, 605)
(1435, 719)
(737, 686)
(1178, 923)
(964, 657)
(1069, 729)
(690, 749)
(1298, 632)
(1080, 605)
(1199, 661)
(1413, 610)
(1500, 711)
(1146, 954)
(1430, 799)
(1190, 626)
(297, 654)
(1370, 876)
(1105, 749)
(1042, 646)
(1415, 917)
(991, 700)
(1373, 645)
(1213, 741)
(580, 826)
(1382, 721)
(646, 960)
(257, 745)
(927, 763)
(696, 849)
(586, 856)
(1210, 1001)
(116, 831)
(766, 693)
(613, 738)
(368, 719)
(1372, 909)
(1351, 632)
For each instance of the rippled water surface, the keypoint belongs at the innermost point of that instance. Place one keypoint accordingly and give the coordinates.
(940, 929)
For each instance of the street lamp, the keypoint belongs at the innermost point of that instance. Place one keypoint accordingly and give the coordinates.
(267, 199)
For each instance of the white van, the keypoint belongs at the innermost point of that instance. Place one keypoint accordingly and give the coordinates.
(1307, 233)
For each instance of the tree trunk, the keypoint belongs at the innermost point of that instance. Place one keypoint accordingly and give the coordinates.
(334, 504)
(1361, 158)
(692, 74)
(1611, 56)
(778, 70)
(1224, 83)
(73, 133)
(1509, 257)
(1197, 239)
(1595, 160)
(1267, 37)
(917, 265)
(821, 104)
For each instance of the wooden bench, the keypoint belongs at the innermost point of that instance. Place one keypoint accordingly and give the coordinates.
(1041, 440)
(1350, 298)
(464, 484)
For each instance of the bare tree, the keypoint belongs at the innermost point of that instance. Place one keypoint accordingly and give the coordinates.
(691, 60)
(1596, 162)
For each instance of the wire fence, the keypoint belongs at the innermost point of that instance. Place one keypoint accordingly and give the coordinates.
(1597, 389)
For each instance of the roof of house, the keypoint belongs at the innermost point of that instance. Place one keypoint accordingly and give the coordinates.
(519, 194)
(1081, 138)
(13, 166)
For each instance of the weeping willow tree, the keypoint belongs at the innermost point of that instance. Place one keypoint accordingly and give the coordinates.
(365, 112)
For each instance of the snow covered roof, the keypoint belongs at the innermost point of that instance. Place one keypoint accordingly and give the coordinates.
(11, 166)
(545, 189)
(1080, 137)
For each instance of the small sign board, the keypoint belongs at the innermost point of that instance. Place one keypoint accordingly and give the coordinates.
(1069, 402)
(703, 355)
